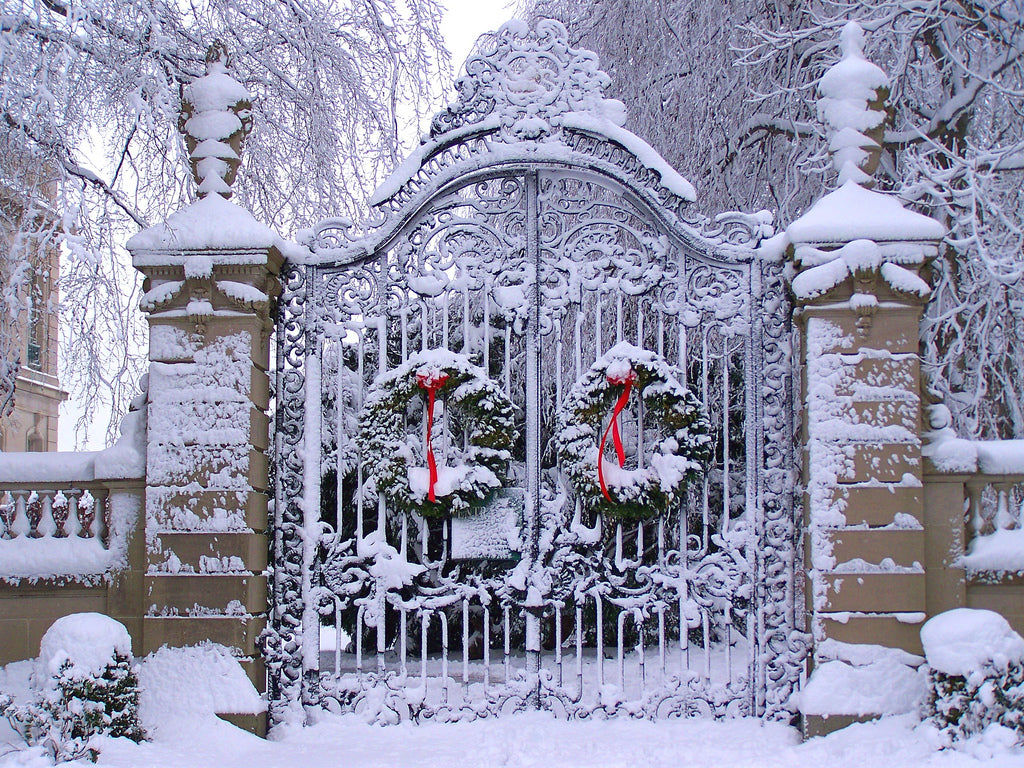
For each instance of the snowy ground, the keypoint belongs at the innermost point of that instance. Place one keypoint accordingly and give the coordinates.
(182, 687)
(538, 740)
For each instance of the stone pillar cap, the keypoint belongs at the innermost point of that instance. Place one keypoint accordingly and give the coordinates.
(209, 224)
(855, 213)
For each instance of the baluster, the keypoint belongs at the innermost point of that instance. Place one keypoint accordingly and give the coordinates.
(103, 518)
(8, 507)
(48, 525)
(1015, 507)
(73, 526)
(86, 514)
(598, 345)
(34, 512)
(20, 524)
(975, 515)
(1002, 518)
(600, 641)
(59, 511)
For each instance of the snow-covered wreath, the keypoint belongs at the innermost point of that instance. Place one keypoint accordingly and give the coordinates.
(591, 413)
(475, 448)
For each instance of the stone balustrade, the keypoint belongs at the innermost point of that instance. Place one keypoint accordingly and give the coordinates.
(64, 510)
(69, 537)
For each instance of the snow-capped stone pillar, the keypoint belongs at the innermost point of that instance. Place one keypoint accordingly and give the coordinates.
(859, 266)
(211, 272)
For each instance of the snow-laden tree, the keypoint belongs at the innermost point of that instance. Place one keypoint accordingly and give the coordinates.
(726, 92)
(90, 151)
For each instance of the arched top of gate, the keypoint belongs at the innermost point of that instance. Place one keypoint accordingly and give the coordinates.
(529, 101)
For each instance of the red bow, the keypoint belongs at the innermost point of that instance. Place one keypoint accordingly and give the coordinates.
(431, 382)
(613, 427)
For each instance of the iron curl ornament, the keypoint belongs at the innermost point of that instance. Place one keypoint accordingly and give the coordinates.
(481, 431)
(592, 412)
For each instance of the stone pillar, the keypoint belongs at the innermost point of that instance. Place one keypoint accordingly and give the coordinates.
(211, 273)
(860, 283)
(207, 472)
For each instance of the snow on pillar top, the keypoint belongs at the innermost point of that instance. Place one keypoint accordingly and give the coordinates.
(216, 116)
(857, 244)
(852, 107)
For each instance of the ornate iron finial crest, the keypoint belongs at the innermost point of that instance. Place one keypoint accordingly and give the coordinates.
(524, 80)
(216, 116)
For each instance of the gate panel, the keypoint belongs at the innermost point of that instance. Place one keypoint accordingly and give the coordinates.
(529, 253)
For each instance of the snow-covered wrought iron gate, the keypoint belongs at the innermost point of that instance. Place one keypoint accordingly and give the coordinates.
(526, 240)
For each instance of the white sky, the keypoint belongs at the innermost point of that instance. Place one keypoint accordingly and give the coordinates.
(464, 21)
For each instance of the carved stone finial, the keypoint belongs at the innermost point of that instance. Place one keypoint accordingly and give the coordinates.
(853, 108)
(216, 116)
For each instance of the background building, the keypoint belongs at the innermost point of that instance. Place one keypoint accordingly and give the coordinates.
(32, 425)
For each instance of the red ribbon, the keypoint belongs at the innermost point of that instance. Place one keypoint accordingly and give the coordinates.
(613, 427)
(431, 382)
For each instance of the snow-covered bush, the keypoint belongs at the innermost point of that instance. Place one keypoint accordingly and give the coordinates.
(976, 673)
(84, 685)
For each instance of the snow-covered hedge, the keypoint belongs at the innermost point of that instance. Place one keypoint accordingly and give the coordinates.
(976, 673)
(84, 685)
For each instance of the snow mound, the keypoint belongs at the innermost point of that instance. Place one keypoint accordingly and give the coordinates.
(862, 679)
(87, 640)
(1001, 551)
(196, 681)
(965, 640)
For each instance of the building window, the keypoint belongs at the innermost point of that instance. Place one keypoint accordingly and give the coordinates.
(37, 323)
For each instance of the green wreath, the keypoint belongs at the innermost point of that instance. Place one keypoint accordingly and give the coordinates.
(590, 412)
(402, 463)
